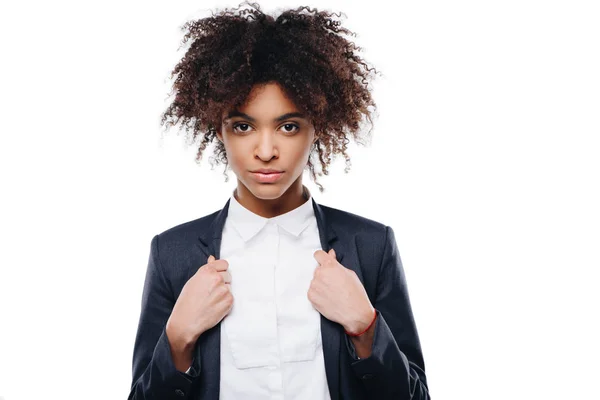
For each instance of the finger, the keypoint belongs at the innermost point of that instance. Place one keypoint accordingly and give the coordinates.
(321, 256)
(332, 253)
(220, 265)
(226, 276)
(210, 259)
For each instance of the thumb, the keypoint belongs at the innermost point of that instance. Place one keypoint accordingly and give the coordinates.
(211, 258)
(332, 253)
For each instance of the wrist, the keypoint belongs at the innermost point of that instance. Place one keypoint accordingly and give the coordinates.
(181, 350)
(180, 342)
(362, 324)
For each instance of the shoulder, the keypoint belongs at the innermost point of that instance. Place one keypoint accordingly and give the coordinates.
(185, 233)
(351, 222)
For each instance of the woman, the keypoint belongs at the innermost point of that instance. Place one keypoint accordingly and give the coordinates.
(274, 296)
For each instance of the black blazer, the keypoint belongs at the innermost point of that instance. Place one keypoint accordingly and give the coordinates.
(394, 370)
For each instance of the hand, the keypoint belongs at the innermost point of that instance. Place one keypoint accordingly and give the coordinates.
(204, 301)
(337, 293)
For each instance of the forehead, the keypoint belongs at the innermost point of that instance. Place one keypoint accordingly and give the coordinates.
(266, 101)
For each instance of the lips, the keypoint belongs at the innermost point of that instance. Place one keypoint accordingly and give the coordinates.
(267, 177)
(267, 171)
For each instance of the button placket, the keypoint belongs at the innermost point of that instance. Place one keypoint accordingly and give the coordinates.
(270, 252)
(251, 326)
(299, 326)
(274, 254)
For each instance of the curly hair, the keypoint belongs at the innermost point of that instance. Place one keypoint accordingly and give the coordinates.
(304, 53)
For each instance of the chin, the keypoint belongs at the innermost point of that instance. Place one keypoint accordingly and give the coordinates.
(267, 191)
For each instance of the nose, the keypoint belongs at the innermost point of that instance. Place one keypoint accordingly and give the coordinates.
(266, 147)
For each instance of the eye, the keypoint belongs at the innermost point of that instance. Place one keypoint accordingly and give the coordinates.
(245, 128)
(235, 126)
(289, 125)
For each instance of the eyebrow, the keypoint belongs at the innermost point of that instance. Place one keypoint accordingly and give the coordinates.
(237, 113)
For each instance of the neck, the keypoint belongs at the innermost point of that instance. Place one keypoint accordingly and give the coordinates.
(295, 196)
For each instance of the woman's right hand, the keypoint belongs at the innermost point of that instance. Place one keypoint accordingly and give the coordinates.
(204, 301)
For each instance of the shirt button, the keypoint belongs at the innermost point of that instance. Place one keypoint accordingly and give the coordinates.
(367, 376)
(179, 392)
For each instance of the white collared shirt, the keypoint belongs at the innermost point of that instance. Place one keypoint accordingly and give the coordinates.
(271, 339)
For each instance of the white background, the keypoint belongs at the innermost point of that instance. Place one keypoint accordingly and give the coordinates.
(484, 160)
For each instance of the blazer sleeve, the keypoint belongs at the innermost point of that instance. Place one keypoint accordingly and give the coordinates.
(154, 372)
(395, 369)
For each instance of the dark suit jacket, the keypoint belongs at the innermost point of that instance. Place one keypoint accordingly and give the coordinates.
(394, 370)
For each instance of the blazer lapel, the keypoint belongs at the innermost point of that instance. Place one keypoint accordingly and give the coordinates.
(208, 350)
(331, 334)
(209, 241)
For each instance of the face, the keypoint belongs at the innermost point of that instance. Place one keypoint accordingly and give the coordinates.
(267, 132)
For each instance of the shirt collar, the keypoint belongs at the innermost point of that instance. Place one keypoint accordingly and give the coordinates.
(248, 224)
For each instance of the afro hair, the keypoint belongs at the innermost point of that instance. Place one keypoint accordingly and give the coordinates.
(302, 49)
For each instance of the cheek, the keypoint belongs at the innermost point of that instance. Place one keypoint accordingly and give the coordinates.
(235, 154)
(301, 148)
(306, 151)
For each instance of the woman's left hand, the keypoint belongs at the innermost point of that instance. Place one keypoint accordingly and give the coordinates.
(337, 293)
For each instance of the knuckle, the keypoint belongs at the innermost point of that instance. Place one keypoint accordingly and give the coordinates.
(222, 290)
(209, 269)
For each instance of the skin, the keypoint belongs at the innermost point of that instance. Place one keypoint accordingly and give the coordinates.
(266, 143)
(259, 140)
(262, 141)
(337, 293)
